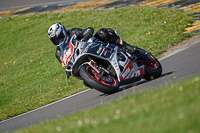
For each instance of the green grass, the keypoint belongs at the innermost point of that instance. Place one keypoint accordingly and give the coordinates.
(30, 75)
(170, 109)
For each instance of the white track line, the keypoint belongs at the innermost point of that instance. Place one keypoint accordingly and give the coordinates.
(90, 89)
(179, 50)
(46, 105)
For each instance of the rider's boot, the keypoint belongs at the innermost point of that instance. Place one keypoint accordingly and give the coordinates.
(121, 43)
(112, 36)
(133, 51)
(127, 47)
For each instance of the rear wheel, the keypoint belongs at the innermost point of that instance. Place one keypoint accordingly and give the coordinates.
(104, 83)
(153, 69)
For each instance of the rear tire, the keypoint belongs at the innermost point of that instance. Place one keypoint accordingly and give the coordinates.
(153, 69)
(90, 77)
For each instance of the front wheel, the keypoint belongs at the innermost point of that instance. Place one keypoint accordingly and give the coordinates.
(153, 69)
(103, 83)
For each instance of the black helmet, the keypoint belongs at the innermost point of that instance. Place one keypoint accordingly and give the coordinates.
(56, 33)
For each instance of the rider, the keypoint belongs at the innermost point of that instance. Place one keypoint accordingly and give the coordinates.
(57, 32)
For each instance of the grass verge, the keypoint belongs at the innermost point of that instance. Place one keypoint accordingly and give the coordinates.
(31, 77)
(172, 108)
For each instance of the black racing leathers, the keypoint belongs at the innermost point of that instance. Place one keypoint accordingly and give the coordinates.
(103, 34)
(110, 36)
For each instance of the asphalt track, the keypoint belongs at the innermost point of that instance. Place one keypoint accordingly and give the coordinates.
(180, 65)
(19, 7)
(13, 4)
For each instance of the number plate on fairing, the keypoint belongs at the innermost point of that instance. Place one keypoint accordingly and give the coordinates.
(131, 70)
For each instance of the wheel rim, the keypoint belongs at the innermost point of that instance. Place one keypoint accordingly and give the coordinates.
(153, 64)
(109, 81)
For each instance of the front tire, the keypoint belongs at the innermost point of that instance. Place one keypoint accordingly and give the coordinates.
(91, 78)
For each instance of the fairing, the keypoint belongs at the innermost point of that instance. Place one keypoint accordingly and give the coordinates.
(78, 53)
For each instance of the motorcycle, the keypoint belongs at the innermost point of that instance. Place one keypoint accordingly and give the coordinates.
(105, 67)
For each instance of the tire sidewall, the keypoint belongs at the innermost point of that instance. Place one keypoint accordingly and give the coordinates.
(88, 79)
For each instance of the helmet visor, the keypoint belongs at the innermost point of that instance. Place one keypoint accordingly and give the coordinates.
(57, 39)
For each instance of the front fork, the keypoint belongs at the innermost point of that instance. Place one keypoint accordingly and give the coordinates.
(101, 73)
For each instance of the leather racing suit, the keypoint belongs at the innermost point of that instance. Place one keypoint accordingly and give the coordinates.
(103, 34)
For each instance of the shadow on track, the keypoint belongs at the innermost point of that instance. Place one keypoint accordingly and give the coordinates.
(143, 81)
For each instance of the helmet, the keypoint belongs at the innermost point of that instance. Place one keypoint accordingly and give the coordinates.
(56, 33)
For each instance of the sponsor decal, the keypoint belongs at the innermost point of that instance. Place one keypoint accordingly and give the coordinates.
(127, 71)
(104, 52)
(99, 50)
(68, 53)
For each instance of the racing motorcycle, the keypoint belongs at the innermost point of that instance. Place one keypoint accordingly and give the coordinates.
(105, 67)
